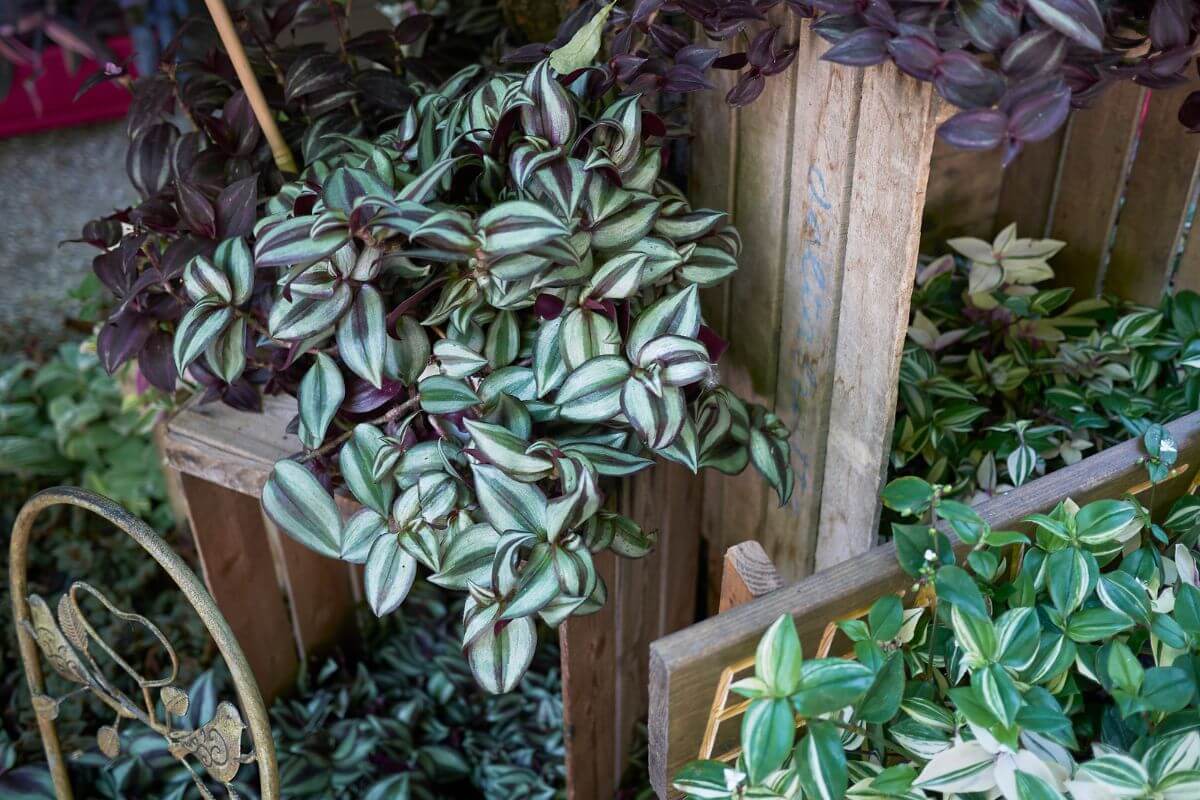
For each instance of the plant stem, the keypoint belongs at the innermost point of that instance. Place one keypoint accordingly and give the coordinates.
(383, 419)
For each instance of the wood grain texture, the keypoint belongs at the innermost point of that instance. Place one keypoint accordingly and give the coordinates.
(1187, 275)
(589, 662)
(824, 135)
(235, 559)
(1029, 187)
(685, 666)
(748, 574)
(891, 166)
(1099, 146)
(963, 195)
(1155, 211)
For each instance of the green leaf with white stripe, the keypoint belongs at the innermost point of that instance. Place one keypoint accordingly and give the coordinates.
(1071, 575)
(677, 314)
(592, 392)
(296, 501)
(821, 762)
(441, 394)
(965, 767)
(1021, 463)
(509, 504)
(226, 356)
(199, 328)
(830, 684)
(362, 336)
(502, 448)
(501, 653)
(359, 533)
(289, 242)
(202, 279)
(975, 635)
(468, 558)
(304, 317)
(388, 575)
(768, 731)
(322, 391)
(357, 460)
(503, 340)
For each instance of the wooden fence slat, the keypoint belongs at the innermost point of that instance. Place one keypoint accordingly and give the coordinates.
(1100, 144)
(823, 134)
(589, 662)
(1187, 276)
(685, 666)
(895, 139)
(749, 574)
(1152, 218)
(238, 569)
(1029, 187)
(761, 210)
(963, 195)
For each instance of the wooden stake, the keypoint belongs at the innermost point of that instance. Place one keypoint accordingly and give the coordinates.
(241, 64)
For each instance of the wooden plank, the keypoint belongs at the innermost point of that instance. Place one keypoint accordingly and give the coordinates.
(750, 367)
(963, 194)
(1162, 182)
(231, 448)
(824, 134)
(749, 574)
(1029, 188)
(1187, 275)
(685, 666)
(236, 562)
(320, 598)
(891, 166)
(1099, 147)
(589, 651)
(711, 184)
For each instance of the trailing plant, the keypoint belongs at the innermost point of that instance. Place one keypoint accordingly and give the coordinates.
(202, 184)
(491, 311)
(405, 721)
(1003, 380)
(1062, 664)
(1014, 68)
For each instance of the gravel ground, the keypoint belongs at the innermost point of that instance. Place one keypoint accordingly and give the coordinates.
(50, 185)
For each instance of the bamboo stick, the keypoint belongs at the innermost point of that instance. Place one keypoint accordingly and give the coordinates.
(241, 64)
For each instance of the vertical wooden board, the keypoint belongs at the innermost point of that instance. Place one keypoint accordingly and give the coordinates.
(711, 184)
(1155, 210)
(823, 134)
(1187, 276)
(238, 569)
(1028, 188)
(1100, 143)
(963, 194)
(891, 165)
(679, 542)
(748, 574)
(320, 598)
(749, 368)
(589, 663)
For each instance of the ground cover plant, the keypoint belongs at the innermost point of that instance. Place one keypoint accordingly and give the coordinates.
(1003, 378)
(488, 309)
(1062, 664)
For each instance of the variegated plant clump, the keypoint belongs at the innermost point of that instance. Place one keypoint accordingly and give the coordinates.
(495, 310)
(1059, 665)
(1004, 379)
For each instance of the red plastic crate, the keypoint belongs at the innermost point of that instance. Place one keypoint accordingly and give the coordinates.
(56, 90)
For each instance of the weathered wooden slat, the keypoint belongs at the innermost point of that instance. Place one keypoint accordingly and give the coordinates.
(823, 135)
(749, 574)
(963, 194)
(891, 167)
(763, 173)
(1029, 187)
(589, 662)
(236, 562)
(685, 666)
(1099, 146)
(1187, 276)
(1155, 210)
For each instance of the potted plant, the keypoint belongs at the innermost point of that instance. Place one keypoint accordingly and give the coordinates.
(488, 312)
(1048, 666)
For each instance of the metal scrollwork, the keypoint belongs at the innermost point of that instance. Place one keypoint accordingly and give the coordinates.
(69, 644)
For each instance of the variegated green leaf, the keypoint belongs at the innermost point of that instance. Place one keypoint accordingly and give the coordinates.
(289, 242)
(322, 391)
(501, 653)
(356, 460)
(592, 392)
(677, 315)
(362, 336)
(299, 504)
(226, 355)
(444, 395)
(304, 317)
(200, 326)
(388, 575)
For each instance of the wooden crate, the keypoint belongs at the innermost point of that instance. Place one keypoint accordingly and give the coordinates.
(827, 176)
(685, 667)
(283, 601)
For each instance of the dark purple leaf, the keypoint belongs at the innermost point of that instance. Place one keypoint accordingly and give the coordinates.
(412, 28)
(236, 208)
(385, 89)
(122, 338)
(979, 129)
(148, 162)
(157, 363)
(1036, 117)
(1078, 20)
(1189, 112)
(991, 25)
(362, 397)
(966, 83)
(734, 61)
(547, 306)
(1170, 23)
(313, 73)
(1038, 52)
(713, 342)
(746, 90)
(243, 126)
(195, 210)
(863, 48)
(915, 56)
(683, 78)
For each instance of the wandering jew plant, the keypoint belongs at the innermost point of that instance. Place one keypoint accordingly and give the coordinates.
(1013, 68)
(1003, 379)
(1062, 664)
(491, 310)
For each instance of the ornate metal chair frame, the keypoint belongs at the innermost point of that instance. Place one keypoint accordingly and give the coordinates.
(217, 744)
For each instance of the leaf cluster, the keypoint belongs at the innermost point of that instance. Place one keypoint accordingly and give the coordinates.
(1004, 379)
(1053, 665)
